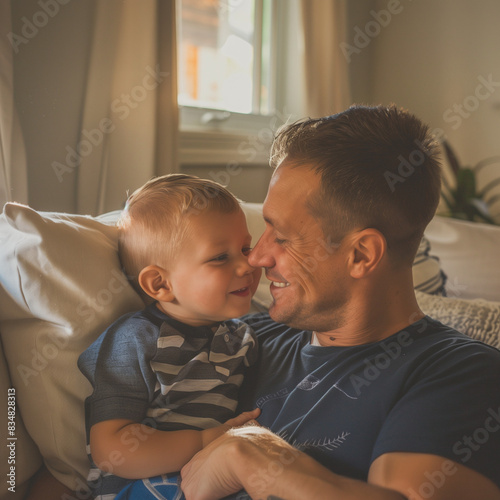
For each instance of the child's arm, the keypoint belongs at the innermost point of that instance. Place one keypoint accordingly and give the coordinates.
(135, 451)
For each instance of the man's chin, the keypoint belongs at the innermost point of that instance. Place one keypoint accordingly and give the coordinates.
(278, 314)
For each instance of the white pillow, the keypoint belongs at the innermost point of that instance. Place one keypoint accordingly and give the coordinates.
(61, 286)
(468, 252)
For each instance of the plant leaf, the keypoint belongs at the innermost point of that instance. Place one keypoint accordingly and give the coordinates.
(487, 161)
(452, 159)
(466, 185)
(488, 187)
(492, 199)
(477, 210)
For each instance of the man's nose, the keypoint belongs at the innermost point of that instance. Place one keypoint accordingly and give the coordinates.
(260, 256)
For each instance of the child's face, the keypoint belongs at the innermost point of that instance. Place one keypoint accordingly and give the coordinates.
(211, 279)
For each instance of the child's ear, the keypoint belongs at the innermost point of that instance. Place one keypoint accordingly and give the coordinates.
(153, 280)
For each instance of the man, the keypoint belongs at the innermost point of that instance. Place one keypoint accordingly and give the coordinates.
(362, 395)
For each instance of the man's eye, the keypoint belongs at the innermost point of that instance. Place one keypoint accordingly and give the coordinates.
(279, 241)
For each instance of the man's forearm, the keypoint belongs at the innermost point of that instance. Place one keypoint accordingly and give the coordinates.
(292, 475)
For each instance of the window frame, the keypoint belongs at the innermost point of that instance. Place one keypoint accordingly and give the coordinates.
(210, 135)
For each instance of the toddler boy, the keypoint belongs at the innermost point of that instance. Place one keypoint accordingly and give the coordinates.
(166, 379)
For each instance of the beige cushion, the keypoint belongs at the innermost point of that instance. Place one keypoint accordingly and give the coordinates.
(61, 285)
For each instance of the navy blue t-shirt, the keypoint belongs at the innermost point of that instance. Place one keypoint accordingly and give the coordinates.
(426, 389)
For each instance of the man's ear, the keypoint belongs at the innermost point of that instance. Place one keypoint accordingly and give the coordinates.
(154, 281)
(368, 248)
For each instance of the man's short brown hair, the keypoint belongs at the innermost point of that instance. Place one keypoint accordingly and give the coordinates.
(379, 169)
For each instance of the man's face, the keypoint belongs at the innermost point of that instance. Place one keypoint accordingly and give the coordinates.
(307, 272)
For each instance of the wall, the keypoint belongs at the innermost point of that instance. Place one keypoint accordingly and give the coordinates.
(440, 60)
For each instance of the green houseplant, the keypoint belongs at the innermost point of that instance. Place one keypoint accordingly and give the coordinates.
(463, 199)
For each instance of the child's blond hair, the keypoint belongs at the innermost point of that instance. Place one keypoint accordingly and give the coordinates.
(154, 221)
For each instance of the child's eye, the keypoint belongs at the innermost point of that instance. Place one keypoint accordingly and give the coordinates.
(246, 250)
(220, 258)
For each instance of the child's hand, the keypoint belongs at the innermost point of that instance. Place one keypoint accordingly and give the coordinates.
(243, 418)
(209, 435)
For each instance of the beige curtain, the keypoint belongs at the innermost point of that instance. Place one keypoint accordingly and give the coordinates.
(130, 116)
(326, 68)
(13, 177)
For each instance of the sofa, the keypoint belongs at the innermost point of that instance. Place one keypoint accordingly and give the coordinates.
(61, 285)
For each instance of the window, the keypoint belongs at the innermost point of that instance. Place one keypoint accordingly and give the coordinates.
(225, 55)
(226, 58)
(239, 79)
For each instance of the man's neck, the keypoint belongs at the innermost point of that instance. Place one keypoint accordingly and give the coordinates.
(375, 316)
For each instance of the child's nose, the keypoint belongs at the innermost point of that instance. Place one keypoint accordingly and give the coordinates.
(243, 266)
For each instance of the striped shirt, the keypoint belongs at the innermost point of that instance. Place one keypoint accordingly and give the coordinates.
(154, 370)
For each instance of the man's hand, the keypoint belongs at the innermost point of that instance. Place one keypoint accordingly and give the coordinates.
(247, 417)
(265, 466)
(248, 457)
(210, 474)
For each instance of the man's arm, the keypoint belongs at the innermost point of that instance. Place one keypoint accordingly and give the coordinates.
(267, 467)
(131, 450)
